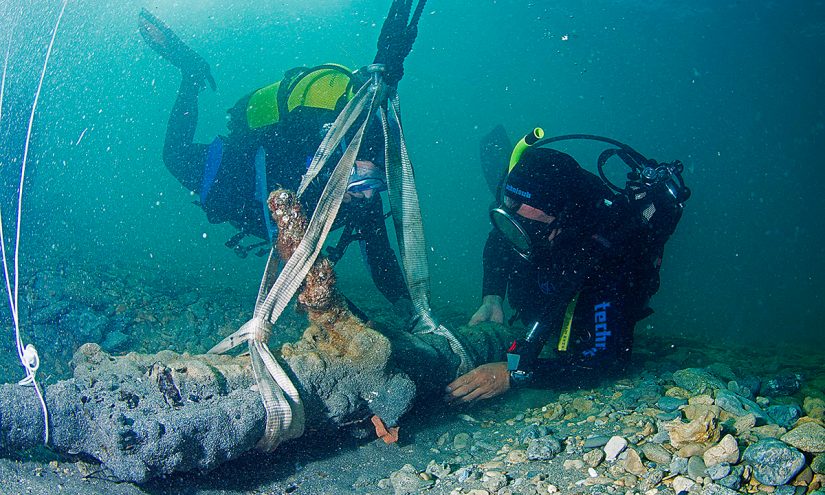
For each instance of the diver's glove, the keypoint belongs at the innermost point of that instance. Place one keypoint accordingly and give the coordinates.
(397, 37)
(168, 45)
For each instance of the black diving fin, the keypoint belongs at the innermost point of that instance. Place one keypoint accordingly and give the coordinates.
(495, 155)
(168, 45)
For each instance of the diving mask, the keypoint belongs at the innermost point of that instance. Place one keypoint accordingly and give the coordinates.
(366, 176)
(522, 233)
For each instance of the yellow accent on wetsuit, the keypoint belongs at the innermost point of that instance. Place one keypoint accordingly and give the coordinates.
(566, 327)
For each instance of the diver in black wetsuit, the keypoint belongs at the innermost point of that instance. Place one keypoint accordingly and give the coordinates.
(579, 259)
(273, 134)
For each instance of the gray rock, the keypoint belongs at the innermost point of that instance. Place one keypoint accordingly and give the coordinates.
(818, 464)
(751, 384)
(614, 447)
(785, 383)
(728, 401)
(652, 479)
(494, 481)
(718, 471)
(734, 479)
(807, 437)
(678, 465)
(406, 481)
(785, 490)
(753, 408)
(646, 393)
(774, 462)
(696, 468)
(670, 404)
(785, 415)
(534, 431)
(656, 453)
(439, 470)
(661, 436)
(543, 449)
(596, 441)
(697, 380)
(669, 416)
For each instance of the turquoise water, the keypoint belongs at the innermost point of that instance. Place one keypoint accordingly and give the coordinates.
(733, 89)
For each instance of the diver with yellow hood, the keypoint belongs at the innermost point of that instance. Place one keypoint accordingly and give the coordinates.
(274, 133)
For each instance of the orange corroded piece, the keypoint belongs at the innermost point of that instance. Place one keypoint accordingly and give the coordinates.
(388, 435)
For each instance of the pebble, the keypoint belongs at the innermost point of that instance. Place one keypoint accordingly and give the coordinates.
(656, 453)
(614, 447)
(678, 465)
(818, 464)
(494, 481)
(443, 439)
(774, 462)
(696, 468)
(669, 416)
(807, 437)
(633, 463)
(703, 429)
(814, 407)
(576, 464)
(785, 415)
(785, 383)
(670, 404)
(461, 441)
(713, 489)
(718, 471)
(734, 479)
(596, 441)
(744, 423)
(406, 481)
(594, 457)
(682, 484)
(729, 402)
(517, 456)
(697, 380)
(768, 431)
(543, 449)
(727, 450)
(439, 470)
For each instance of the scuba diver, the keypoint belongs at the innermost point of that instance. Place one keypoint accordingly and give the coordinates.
(577, 256)
(274, 133)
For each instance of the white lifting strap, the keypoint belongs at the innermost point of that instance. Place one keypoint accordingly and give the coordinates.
(285, 411)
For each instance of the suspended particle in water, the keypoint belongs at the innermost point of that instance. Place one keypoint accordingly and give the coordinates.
(204, 235)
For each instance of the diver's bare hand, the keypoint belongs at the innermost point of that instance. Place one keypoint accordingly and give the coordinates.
(490, 310)
(484, 382)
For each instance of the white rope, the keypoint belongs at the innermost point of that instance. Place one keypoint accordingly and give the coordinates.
(28, 355)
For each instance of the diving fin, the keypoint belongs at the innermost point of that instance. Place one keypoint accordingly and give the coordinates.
(168, 45)
(495, 148)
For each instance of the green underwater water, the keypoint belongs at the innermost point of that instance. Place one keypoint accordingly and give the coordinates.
(733, 89)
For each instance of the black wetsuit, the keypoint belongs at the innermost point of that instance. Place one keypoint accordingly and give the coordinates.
(232, 195)
(605, 257)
